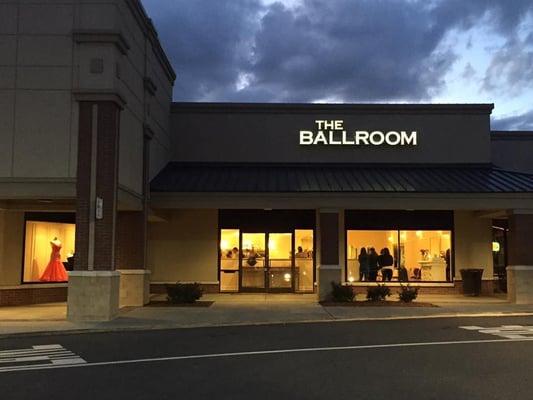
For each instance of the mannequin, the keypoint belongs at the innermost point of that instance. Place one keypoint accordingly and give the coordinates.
(55, 271)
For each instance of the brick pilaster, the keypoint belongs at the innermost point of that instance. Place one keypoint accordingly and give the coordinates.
(100, 180)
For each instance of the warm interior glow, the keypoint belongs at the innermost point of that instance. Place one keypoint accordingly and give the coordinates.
(422, 253)
(279, 256)
(37, 249)
(303, 260)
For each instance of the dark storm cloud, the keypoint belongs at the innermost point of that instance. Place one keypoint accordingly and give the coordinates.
(521, 122)
(208, 42)
(346, 50)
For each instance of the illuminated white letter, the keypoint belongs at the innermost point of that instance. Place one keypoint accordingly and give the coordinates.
(361, 137)
(393, 138)
(332, 138)
(306, 138)
(409, 139)
(345, 139)
(377, 138)
(320, 138)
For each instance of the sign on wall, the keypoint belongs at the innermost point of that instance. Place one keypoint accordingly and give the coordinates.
(332, 132)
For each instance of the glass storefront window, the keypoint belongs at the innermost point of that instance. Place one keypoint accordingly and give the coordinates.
(229, 259)
(364, 248)
(426, 255)
(408, 255)
(48, 251)
(303, 259)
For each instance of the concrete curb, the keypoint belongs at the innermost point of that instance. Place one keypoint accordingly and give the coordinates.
(78, 331)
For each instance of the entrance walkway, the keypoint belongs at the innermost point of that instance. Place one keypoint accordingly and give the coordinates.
(245, 309)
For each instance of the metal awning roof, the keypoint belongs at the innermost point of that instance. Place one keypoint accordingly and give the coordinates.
(338, 178)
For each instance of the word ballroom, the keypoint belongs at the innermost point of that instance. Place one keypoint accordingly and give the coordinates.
(338, 136)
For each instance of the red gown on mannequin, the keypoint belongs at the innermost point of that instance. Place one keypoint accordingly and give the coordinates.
(55, 271)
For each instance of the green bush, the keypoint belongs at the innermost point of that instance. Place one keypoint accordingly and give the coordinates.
(377, 293)
(407, 293)
(184, 292)
(340, 293)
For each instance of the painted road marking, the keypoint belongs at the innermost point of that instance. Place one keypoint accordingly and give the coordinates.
(262, 352)
(505, 331)
(40, 356)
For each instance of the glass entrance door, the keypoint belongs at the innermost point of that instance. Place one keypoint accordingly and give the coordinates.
(267, 262)
(280, 273)
(253, 261)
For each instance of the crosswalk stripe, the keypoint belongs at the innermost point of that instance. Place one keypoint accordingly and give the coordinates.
(37, 356)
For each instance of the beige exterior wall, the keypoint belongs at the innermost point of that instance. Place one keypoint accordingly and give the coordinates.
(11, 232)
(184, 248)
(473, 243)
(35, 89)
(45, 60)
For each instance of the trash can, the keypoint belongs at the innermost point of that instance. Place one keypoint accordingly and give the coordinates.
(471, 281)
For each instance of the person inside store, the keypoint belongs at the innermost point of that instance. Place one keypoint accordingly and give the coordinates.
(252, 257)
(363, 265)
(301, 253)
(372, 264)
(235, 252)
(385, 263)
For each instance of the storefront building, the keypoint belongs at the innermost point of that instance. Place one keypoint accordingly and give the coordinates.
(103, 177)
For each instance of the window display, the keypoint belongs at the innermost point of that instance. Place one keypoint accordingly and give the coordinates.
(229, 259)
(48, 251)
(303, 259)
(399, 255)
(266, 261)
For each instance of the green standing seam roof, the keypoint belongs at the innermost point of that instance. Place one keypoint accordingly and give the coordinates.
(338, 178)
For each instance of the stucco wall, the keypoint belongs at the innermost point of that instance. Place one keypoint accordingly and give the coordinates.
(11, 231)
(185, 247)
(473, 243)
(35, 89)
(44, 63)
(513, 150)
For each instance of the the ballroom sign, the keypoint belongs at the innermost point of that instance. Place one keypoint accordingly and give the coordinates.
(332, 132)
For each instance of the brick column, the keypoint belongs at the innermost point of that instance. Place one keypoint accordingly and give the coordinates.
(93, 285)
(520, 257)
(329, 268)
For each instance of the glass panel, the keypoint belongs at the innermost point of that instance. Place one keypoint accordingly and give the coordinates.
(366, 250)
(229, 260)
(48, 251)
(280, 260)
(499, 257)
(229, 249)
(229, 281)
(253, 260)
(303, 259)
(426, 255)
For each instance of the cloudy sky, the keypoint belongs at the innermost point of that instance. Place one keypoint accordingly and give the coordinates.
(444, 51)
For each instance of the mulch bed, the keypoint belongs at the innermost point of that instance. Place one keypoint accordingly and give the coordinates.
(386, 303)
(164, 303)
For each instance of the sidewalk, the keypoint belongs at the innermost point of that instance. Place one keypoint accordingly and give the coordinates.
(244, 309)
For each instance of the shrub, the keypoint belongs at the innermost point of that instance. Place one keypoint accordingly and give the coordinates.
(340, 293)
(407, 293)
(377, 293)
(184, 292)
